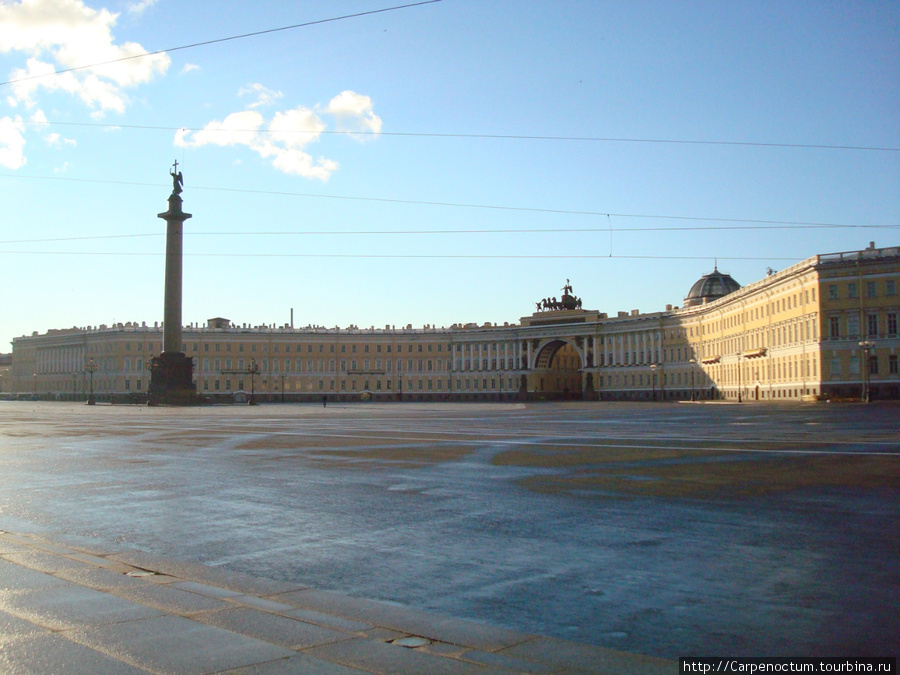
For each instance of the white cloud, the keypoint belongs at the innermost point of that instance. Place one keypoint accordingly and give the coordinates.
(238, 128)
(55, 140)
(354, 112)
(188, 67)
(284, 138)
(141, 6)
(12, 143)
(38, 117)
(60, 34)
(264, 95)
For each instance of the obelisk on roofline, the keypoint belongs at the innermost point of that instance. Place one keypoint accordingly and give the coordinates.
(171, 372)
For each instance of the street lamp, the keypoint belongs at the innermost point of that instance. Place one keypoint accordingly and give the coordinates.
(253, 369)
(866, 346)
(653, 378)
(693, 366)
(740, 379)
(91, 367)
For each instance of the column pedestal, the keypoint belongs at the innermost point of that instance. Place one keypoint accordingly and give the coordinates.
(170, 380)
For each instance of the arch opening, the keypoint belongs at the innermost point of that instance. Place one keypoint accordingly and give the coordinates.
(557, 371)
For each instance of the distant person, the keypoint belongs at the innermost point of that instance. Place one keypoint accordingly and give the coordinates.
(325, 401)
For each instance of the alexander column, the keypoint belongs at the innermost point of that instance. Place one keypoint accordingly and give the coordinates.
(171, 371)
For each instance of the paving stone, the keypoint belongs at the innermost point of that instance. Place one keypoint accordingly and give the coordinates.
(381, 657)
(92, 559)
(444, 649)
(45, 562)
(12, 547)
(98, 578)
(190, 571)
(260, 603)
(408, 620)
(273, 628)
(576, 656)
(33, 543)
(63, 607)
(206, 589)
(168, 599)
(173, 644)
(504, 662)
(301, 663)
(53, 653)
(15, 577)
(13, 628)
(329, 620)
(384, 634)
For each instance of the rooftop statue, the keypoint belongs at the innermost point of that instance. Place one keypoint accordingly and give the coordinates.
(566, 302)
(177, 180)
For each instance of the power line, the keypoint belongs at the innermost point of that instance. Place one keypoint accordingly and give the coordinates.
(538, 230)
(567, 212)
(400, 256)
(225, 39)
(517, 137)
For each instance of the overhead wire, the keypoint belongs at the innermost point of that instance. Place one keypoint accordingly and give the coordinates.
(219, 40)
(515, 137)
(741, 223)
(412, 256)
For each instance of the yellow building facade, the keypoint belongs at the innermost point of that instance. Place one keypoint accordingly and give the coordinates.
(826, 327)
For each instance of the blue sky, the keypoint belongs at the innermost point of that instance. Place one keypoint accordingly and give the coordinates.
(376, 171)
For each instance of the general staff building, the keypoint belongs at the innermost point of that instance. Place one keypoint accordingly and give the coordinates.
(823, 328)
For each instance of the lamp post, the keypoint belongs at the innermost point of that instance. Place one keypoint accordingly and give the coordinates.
(91, 367)
(740, 379)
(653, 379)
(74, 385)
(34, 386)
(866, 346)
(693, 366)
(253, 369)
(149, 365)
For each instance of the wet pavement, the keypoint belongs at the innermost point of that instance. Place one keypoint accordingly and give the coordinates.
(666, 530)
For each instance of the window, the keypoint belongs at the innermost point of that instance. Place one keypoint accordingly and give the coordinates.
(851, 290)
(892, 365)
(890, 287)
(853, 325)
(872, 325)
(892, 323)
(832, 292)
(873, 364)
(870, 289)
